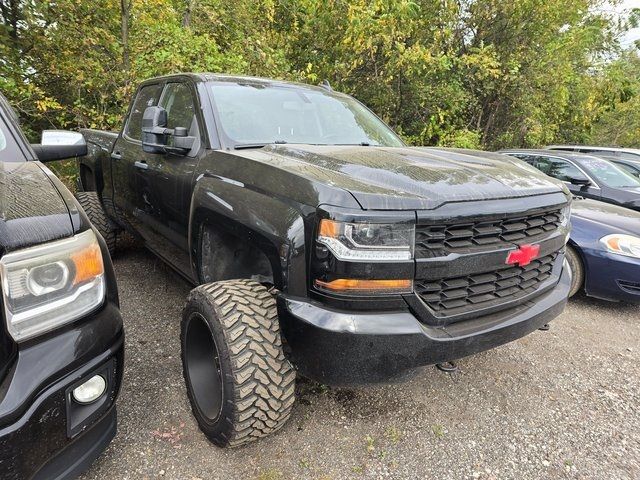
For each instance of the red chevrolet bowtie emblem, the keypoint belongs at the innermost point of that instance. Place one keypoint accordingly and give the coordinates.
(524, 255)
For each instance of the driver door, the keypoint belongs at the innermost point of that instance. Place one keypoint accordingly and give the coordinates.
(166, 182)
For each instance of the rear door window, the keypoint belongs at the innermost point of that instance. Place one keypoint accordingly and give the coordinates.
(148, 96)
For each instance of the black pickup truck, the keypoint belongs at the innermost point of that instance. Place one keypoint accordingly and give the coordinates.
(61, 337)
(319, 242)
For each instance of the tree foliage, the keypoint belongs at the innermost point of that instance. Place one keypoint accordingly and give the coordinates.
(469, 73)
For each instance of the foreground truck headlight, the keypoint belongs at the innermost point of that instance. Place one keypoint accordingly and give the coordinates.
(47, 286)
(364, 243)
(367, 242)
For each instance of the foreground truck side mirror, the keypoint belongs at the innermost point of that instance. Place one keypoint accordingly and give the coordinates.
(157, 138)
(59, 145)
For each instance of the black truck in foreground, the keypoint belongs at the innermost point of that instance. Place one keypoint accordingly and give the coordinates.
(319, 242)
(61, 338)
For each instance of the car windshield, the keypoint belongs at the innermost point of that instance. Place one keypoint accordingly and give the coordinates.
(255, 114)
(609, 174)
(9, 149)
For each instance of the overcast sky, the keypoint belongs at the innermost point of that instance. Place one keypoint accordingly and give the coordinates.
(634, 34)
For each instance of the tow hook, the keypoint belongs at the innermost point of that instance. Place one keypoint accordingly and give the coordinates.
(448, 367)
(544, 327)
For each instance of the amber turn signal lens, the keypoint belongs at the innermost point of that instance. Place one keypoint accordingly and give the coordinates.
(345, 285)
(613, 243)
(329, 228)
(88, 263)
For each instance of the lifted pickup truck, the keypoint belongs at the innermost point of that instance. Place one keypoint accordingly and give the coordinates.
(320, 242)
(61, 338)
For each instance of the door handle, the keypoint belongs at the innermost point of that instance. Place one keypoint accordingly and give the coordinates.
(141, 165)
(116, 155)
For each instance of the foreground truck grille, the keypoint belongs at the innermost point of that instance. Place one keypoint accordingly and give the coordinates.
(438, 239)
(460, 294)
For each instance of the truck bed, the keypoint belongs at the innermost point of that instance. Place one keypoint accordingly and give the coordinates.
(102, 138)
(99, 147)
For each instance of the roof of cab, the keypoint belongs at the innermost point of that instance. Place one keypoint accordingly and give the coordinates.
(239, 79)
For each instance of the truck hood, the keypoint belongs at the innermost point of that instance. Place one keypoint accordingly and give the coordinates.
(32, 211)
(410, 177)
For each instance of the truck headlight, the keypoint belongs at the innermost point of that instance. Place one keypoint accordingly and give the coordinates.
(626, 245)
(367, 242)
(566, 215)
(52, 284)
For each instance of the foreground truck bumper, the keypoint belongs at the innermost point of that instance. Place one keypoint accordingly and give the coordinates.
(44, 433)
(352, 348)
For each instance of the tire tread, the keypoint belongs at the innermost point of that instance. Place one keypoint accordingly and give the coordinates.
(263, 379)
(90, 202)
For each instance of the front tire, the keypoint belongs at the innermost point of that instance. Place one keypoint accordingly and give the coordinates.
(239, 383)
(577, 270)
(92, 206)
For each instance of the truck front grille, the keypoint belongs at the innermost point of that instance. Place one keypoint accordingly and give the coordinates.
(456, 295)
(441, 238)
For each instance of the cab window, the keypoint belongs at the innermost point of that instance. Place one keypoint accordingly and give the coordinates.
(148, 96)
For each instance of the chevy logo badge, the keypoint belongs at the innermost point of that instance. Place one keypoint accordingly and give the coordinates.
(523, 255)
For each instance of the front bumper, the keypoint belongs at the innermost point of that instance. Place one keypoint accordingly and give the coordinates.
(612, 277)
(44, 434)
(350, 348)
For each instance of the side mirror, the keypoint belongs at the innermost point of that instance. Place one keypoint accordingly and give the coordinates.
(582, 182)
(154, 130)
(59, 145)
(157, 138)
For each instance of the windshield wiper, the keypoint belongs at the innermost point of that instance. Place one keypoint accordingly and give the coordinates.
(360, 144)
(242, 146)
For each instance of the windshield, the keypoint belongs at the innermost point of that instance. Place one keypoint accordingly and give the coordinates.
(609, 174)
(9, 150)
(256, 114)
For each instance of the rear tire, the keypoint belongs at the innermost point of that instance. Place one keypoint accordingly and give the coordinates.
(239, 383)
(577, 270)
(92, 206)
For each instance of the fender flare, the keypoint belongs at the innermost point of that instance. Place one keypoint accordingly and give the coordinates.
(266, 222)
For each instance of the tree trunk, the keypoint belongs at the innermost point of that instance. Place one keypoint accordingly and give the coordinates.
(186, 18)
(10, 11)
(125, 9)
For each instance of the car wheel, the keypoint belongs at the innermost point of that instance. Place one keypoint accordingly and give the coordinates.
(577, 270)
(239, 383)
(92, 206)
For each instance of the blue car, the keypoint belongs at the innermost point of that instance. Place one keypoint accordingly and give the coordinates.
(604, 251)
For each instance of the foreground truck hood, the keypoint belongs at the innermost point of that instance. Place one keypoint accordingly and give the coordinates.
(409, 178)
(32, 211)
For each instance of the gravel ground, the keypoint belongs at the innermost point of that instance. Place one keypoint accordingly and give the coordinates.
(558, 404)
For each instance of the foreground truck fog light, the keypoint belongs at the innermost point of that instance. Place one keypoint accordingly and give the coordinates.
(91, 390)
